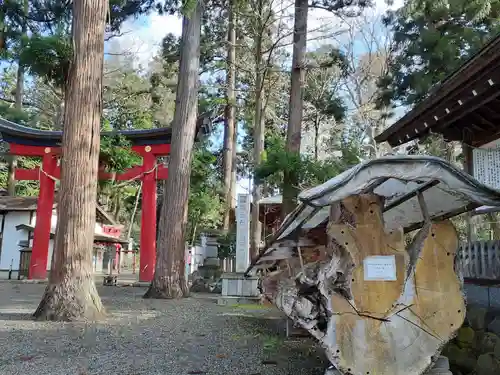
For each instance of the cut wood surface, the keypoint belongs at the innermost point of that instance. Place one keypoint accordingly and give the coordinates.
(377, 307)
(363, 239)
(393, 326)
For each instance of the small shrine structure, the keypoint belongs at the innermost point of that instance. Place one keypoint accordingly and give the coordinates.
(150, 144)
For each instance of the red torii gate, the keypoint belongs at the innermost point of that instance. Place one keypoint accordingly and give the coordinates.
(148, 173)
(148, 143)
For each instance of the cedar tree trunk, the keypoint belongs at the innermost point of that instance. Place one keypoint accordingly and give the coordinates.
(71, 293)
(229, 125)
(258, 134)
(169, 280)
(293, 136)
(12, 160)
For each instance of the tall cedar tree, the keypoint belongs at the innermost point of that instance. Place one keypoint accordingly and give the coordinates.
(229, 155)
(169, 280)
(71, 293)
(294, 129)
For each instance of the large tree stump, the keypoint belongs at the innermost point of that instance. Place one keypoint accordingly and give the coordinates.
(377, 306)
(397, 325)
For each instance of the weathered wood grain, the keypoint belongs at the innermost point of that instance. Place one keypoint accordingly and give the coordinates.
(376, 327)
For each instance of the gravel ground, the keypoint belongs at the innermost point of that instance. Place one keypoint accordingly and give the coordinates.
(189, 336)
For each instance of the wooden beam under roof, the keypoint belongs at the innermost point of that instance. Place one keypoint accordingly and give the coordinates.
(478, 79)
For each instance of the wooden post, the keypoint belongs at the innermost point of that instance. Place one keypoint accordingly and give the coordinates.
(147, 250)
(469, 168)
(41, 237)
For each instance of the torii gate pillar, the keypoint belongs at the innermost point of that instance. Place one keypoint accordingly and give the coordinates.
(45, 204)
(147, 258)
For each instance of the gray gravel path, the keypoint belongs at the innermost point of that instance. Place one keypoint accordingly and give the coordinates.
(186, 337)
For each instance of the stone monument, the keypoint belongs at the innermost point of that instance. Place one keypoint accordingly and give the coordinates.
(236, 288)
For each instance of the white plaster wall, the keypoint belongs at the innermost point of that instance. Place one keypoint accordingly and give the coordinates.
(98, 229)
(53, 220)
(51, 250)
(10, 248)
(53, 224)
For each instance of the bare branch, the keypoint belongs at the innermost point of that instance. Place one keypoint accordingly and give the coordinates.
(107, 38)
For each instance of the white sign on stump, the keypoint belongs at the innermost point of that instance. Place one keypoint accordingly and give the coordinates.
(243, 233)
(380, 268)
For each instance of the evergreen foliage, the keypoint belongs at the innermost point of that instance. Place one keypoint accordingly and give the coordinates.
(431, 40)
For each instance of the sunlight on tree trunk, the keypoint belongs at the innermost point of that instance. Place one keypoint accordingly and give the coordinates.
(169, 280)
(230, 121)
(11, 159)
(258, 133)
(11, 168)
(71, 293)
(293, 136)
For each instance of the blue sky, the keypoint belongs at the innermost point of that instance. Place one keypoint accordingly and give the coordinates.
(143, 37)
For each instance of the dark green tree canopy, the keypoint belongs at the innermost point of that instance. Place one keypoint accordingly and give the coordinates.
(431, 40)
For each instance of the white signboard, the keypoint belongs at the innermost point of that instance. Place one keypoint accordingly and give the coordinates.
(380, 268)
(486, 163)
(243, 233)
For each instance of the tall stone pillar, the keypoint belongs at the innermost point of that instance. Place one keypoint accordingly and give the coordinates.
(236, 288)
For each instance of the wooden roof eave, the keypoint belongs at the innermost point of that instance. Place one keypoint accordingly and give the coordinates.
(15, 133)
(106, 215)
(454, 112)
(481, 73)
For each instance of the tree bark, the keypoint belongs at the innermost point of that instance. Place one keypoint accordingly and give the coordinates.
(373, 153)
(234, 172)
(19, 87)
(229, 125)
(11, 169)
(293, 136)
(258, 136)
(159, 204)
(12, 160)
(316, 137)
(169, 280)
(59, 118)
(367, 323)
(71, 293)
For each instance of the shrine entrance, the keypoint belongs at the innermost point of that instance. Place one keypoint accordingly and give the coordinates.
(149, 172)
(149, 144)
